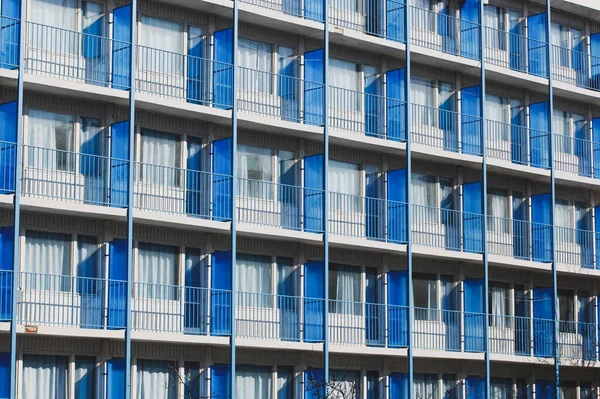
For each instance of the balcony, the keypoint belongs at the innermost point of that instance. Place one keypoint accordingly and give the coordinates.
(447, 229)
(367, 114)
(444, 33)
(521, 336)
(575, 68)
(519, 239)
(74, 177)
(577, 156)
(518, 144)
(9, 42)
(576, 247)
(515, 52)
(447, 130)
(577, 341)
(76, 57)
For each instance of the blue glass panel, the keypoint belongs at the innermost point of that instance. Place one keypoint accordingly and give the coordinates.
(541, 227)
(314, 305)
(471, 120)
(315, 384)
(221, 293)
(397, 207)
(475, 387)
(374, 207)
(538, 135)
(398, 386)
(545, 390)
(373, 106)
(4, 375)
(93, 43)
(121, 52)
(313, 9)
(8, 138)
(119, 165)
(223, 69)
(395, 17)
(6, 267)
(372, 385)
(398, 308)
(115, 379)
(10, 12)
(537, 45)
(220, 380)
(196, 67)
(595, 64)
(117, 287)
(596, 147)
(474, 317)
(396, 105)
(473, 217)
(313, 87)
(222, 169)
(313, 194)
(543, 325)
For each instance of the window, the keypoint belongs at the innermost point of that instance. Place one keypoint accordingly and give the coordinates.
(496, 111)
(422, 94)
(254, 382)
(344, 288)
(571, 215)
(254, 280)
(499, 304)
(451, 387)
(161, 42)
(426, 386)
(287, 168)
(44, 377)
(47, 260)
(498, 210)
(50, 140)
(287, 277)
(255, 170)
(493, 20)
(256, 60)
(344, 180)
(157, 271)
(425, 293)
(566, 39)
(501, 388)
(285, 382)
(85, 377)
(567, 390)
(156, 379)
(430, 193)
(193, 387)
(566, 309)
(344, 75)
(160, 156)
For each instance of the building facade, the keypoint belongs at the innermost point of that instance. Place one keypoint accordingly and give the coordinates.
(298, 199)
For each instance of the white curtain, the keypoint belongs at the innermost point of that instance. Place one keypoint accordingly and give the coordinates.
(562, 126)
(255, 169)
(44, 377)
(49, 136)
(254, 276)
(344, 75)
(426, 386)
(496, 110)
(424, 194)
(256, 61)
(559, 35)
(157, 270)
(57, 14)
(497, 207)
(501, 390)
(493, 18)
(160, 156)
(49, 256)
(498, 309)
(253, 382)
(347, 283)
(564, 214)
(344, 179)
(422, 95)
(155, 381)
(162, 45)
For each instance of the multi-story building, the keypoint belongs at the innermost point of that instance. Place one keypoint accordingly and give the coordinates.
(271, 199)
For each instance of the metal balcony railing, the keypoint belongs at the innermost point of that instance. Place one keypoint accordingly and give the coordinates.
(367, 114)
(448, 130)
(518, 144)
(74, 177)
(516, 52)
(575, 68)
(76, 56)
(511, 335)
(519, 239)
(368, 17)
(448, 330)
(577, 156)
(576, 247)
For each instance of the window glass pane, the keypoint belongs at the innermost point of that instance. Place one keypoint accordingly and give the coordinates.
(161, 34)
(564, 214)
(160, 155)
(88, 255)
(344, 75)
(451, 387)
(193, 387)
(47, 253)
(344, 288)
(501, 388)
(287, 277)
(347, 383)
(499, 304)
(254, 382)
(285, 382)
(50, 135)
(255, 170)
(157, 271)
(254, 280)
(93, 18)
(58, 13)
(44, 377)
(195, 269)
(287, 167)
(286, 61)
(497, 207)
(85, 377)
(256, 61)
(425, 296)
(156, 379)
(426, 386)
(195, 37)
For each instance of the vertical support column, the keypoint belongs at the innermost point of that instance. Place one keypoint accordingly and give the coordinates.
(128, 327)
(326, 195)
(409, 210)
(486, 327)
(234, 182)
(17, 207)
(555, 313)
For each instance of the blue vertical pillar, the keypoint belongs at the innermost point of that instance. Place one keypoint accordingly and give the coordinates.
(131, 155)
(555, 313)
(326, 191)
(234, 183)
(17, 211)
(409, 246)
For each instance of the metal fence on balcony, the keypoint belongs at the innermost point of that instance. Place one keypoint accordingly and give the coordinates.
(576, 155)
(510, 335)
(518, 144)
(515, 51)
(576, 247)
(519, 239)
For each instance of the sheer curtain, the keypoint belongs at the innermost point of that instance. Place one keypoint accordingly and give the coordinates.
(161, 42)
(47, 255)
(255, 170)
(560, 37)
(49, 136)
(344, 75)
(424, 194)
(154, 380)
(160, 157)
(344, 179)
(498, 305)
(253, 382)
(493, 18)
(344, 385)
(254, 276)
(256, 61)
(157, 271)
(562, 126)
(501, 389)
(422, 97)
(44, 377)
(426, 386)
(497, 207)
(55, 13)
(496, 111)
